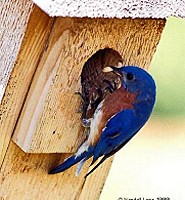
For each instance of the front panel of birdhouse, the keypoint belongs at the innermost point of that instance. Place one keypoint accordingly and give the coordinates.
(50, 121)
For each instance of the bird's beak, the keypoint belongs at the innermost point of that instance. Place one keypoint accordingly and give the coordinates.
(113, 69)
(120, 73)
(117, 71)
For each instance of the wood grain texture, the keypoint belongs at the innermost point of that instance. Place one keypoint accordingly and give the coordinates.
(93, 186)
(21, 77)
(14, 17)
(49, 121)
(25, 177)
(113, 9)
(49, 113)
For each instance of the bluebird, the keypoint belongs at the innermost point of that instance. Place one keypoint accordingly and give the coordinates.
(117, 118)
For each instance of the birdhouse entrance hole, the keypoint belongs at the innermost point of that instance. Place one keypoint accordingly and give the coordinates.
(95, 82)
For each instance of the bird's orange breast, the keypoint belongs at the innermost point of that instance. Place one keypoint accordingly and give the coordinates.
(114, 103)
(117, 101)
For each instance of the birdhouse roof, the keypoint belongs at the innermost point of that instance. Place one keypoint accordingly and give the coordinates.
(113, 8)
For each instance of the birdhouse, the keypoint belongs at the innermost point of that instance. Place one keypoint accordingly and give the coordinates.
(43, 49)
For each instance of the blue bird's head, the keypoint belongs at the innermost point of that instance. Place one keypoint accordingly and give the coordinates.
(137, 80)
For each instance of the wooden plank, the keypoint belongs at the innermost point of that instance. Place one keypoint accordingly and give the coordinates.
(49, 121)
(94, 184)
(14, 17)
(25, 175)
(21, 77)
(113, 9)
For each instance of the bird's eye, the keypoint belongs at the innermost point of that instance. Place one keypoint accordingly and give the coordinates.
(130, 76)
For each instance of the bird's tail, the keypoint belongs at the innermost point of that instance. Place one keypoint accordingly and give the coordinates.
(81, 156)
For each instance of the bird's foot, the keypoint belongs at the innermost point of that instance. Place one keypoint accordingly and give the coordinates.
(86, 122)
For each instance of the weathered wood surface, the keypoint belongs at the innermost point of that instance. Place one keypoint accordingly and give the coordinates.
(14, 16)
(58, 49)
(24, 177)
(49, 121)
(114, 8)
(21, 77)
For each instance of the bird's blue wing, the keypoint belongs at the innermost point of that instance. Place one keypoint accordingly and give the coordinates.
(118, 130)
(118, 122)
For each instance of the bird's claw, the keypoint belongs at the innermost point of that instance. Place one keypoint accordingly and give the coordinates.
(86, 122)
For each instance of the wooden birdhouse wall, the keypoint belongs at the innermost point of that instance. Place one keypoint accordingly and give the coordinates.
(49, 121)
(41, 106)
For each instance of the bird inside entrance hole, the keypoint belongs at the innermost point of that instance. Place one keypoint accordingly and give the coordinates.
(117, 102)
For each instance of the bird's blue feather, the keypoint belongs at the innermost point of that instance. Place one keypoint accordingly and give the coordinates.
(72, 161)
(117, 131)
(122, 126)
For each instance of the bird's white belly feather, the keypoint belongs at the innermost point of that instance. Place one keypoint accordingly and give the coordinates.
(94, 131)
